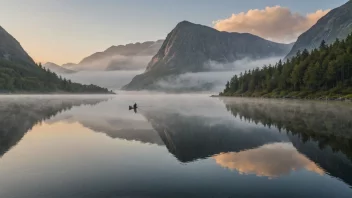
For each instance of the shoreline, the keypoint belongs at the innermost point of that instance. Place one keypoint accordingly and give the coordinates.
(340, 99)
(55, 93)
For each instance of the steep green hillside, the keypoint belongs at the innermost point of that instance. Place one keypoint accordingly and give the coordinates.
(34, 78)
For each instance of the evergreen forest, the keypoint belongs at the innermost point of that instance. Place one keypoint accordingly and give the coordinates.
(22, 78)
(325, 72)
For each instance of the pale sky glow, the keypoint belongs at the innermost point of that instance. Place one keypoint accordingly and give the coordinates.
(64, 31)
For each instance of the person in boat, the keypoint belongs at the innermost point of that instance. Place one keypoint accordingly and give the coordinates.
(134, 107)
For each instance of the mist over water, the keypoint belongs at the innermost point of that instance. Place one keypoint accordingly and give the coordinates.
(94, 146)
(211, 81)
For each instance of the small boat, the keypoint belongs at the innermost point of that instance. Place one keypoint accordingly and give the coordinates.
(134, 107)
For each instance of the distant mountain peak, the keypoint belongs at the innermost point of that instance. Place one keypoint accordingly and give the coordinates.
(185, 23)
(132, 56)
(191, 26)
(57, 69)
(50, 63)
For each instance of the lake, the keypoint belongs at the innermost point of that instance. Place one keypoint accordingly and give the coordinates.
(173, 146)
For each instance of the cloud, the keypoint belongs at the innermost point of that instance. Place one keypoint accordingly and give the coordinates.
(117, 62)
(274, 23)
(212, 81)
(240, 65)
(110, 79)
(215, 78)
(272, 161)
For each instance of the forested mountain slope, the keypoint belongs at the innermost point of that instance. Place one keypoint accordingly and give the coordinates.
(324, 72)
(19, 73)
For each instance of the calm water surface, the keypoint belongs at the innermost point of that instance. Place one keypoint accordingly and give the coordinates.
(174, 146)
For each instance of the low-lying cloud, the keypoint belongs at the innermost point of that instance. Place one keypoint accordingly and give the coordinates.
(215, 79)
(240, 65)
(274, 23)
(116, 62)
(110, 79)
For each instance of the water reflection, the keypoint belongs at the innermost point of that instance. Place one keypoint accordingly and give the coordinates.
(179, 146)
(319, 135)
(316, 136)
(113, 119)
(19, 114)
(321, 131)
(272, 160)
(190, 138)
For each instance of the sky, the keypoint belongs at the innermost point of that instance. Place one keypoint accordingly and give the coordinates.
(63, 31)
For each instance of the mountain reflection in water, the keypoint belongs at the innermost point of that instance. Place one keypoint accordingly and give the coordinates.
(321, 131)
(219, 147)
(19, 114)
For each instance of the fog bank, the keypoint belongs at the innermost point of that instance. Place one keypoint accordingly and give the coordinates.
(116, 62)
(109, 79)
(212, 81)
(215, 79)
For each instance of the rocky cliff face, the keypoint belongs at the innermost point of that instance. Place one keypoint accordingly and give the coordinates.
(337, 24)
(188, 46)
(10, 49)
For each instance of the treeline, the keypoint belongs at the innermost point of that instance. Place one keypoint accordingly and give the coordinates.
(323, 72)
(36, 79)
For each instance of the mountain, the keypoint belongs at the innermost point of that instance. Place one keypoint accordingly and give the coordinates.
(336, 24)
(19, 73)
(133, 56)
(189, 46)
(11, 50)
(67, 65)
(148, 48)
(57, 69)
